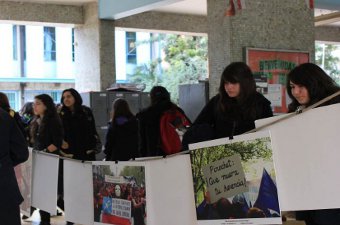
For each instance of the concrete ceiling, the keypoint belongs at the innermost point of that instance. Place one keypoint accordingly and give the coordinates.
(327, 12)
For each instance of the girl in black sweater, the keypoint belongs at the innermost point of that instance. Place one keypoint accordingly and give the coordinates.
(122, 135)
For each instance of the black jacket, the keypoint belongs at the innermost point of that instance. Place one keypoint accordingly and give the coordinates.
(79, 132)
(149, 128)
(12, 152)
(49, 133)
(235, 121)
(122, 140)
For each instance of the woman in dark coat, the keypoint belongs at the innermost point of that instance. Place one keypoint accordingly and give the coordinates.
(122, 135)
(306, 85)
(46, 134)
(237, 105)
(80, 134)
(12, 152)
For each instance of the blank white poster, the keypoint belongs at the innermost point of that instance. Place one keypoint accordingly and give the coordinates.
(78, 191)
(306, 156)
(45, 181)
(171, 196)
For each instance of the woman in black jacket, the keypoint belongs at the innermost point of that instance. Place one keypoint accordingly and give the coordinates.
(237, 105)
(306, 85)
(80, 134)
(46, 135)
(122, 135)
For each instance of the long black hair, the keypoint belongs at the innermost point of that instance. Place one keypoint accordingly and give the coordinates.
(158, 94)
(50, 113)
(318, 84)
(78, 101)
(237, 72)
(4, 102)
(120, 107)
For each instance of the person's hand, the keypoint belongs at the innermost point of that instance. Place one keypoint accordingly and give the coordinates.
(64, 145)
(207, 197)
(52, 148)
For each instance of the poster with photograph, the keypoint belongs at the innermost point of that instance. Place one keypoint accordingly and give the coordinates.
(270, 68)
(23, 172)
(119, 193)
(235, 181)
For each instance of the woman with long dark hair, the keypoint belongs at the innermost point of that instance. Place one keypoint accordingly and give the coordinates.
(46, 135)
(80, 134)
(306, 85)
(122, 135)
(237, 105)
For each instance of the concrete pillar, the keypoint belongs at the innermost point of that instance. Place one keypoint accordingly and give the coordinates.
(275, 24)
(94, 52)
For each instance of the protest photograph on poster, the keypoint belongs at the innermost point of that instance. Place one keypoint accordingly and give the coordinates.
(270, 68)
(119, 194)
(234, 181)
(23, 173)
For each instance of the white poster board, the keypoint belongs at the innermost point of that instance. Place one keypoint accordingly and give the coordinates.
(78, 191)
(307, 156)
(170, 191)
(45, 181)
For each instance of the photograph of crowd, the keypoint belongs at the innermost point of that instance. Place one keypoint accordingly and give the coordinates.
(259, 201)
(119, 194)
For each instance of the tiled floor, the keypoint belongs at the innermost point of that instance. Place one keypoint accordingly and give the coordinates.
(35, 219)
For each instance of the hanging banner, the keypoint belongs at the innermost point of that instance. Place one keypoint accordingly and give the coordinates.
(45, 181)
(235, 181)
(270, 68)
(77, 186)
(170, 193)
(119, 193)
(23, 172)
(306, 150)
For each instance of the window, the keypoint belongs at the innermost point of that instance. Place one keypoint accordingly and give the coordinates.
(15, 42)
(49, 44)
(13, 99)
(131, 47)
(22, 31)
(72, 44)
(55, 94)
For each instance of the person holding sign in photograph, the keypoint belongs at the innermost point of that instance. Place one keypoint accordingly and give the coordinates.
(306, 85)
(237, 105)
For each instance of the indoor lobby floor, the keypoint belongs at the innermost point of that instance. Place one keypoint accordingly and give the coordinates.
(35, 219)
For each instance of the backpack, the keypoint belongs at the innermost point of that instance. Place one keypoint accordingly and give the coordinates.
(173, 124)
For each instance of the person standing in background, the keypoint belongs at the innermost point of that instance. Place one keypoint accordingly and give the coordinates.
(122, 135)
(26, 113)
(150, 143)
(13, 151)
(46, 134)
(235, 108)
(80, 134)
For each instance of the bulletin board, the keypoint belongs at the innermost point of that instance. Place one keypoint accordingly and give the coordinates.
(270, 68)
